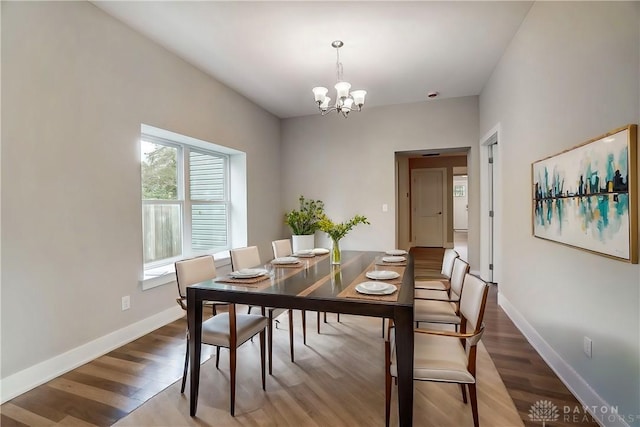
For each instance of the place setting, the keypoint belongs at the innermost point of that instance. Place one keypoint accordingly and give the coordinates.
(372, 290)
(376, 288)
(383, 285)
(304, 253)
(246, 276)
(393, 257)
(286, 262)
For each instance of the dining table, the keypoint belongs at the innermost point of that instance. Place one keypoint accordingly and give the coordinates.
(316, 284)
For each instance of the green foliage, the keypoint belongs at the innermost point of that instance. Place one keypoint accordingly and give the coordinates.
(305, 219)
(159, 177)
(338, 230)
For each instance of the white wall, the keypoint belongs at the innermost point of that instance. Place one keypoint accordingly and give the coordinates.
(76, 85)
(571, 73)
(350, 164)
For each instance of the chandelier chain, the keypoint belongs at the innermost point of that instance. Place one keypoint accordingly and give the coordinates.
(338, 65)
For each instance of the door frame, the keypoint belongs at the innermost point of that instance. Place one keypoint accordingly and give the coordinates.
(445, 212)
(492, 137)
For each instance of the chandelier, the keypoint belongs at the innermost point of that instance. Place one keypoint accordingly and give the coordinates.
(345, 101)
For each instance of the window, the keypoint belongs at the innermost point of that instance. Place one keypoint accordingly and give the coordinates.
(185, 201)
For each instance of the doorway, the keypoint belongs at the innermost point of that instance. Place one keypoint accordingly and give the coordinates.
(450, 162)
(428, 206)
(460, 203)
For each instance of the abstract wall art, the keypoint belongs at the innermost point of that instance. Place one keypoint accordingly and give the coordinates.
(586, 197)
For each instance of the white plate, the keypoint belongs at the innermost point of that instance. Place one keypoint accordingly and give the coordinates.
(320, 251)
(396, 252)
(379, 288)
(393, 259)
(305, 253)
(382, 275)
(285, 260)
(248, 273)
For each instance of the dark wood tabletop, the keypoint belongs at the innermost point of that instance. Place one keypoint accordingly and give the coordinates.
(318, 286)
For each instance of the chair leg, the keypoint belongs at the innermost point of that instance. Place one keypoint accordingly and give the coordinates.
(186, 366)
(325, 317)
(232, 374)
(464, 392)
(474, 404)
(262, 358)
(338, 317)
(318, 322)
(217, 357)
(270, 341)
(304, 328)
(291, 333)
(387, 383)
(383, 322)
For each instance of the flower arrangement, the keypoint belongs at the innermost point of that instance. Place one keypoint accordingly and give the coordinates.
(337, 231)
(306, 219)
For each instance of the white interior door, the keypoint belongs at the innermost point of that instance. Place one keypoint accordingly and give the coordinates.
(460, 203)
(427, 213)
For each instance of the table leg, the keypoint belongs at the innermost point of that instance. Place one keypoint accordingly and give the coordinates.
(194, 323)
(403, 320)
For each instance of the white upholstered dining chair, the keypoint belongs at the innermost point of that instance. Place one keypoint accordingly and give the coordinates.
(281, 248)
(438, 280)
(227, 329)
(436, 306)
(206, 270)
(250, 257)
(446, 356)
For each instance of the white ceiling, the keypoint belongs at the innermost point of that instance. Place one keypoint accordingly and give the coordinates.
(275, 52)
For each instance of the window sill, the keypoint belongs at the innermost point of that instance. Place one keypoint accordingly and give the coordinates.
(159, 276)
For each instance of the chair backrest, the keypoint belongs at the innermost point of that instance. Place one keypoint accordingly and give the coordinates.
(473, 301)
(281, 248)
(245, 257)
(194, 270)
(460, 269)
(449, 257)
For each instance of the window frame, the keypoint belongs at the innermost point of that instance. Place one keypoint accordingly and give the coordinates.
(183, 184)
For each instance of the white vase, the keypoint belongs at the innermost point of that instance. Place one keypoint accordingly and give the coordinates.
(299, 243)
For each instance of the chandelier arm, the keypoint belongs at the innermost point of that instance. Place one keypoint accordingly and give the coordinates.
(327, 111)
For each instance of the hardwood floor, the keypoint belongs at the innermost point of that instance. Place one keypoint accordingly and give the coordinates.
(105, 390)
(525, 374)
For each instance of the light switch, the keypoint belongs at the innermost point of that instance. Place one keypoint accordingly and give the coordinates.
(385, 207)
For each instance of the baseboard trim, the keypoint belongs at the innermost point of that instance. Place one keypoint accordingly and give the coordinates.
(27, 379)
(586, 395)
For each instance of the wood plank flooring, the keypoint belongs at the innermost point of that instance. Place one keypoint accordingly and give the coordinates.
(107, 389)
(337, 380)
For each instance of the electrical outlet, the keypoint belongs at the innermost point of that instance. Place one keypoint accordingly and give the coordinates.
(587, 346)
(126, 303)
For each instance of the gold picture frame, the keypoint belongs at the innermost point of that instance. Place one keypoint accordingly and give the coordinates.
(586, 197)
